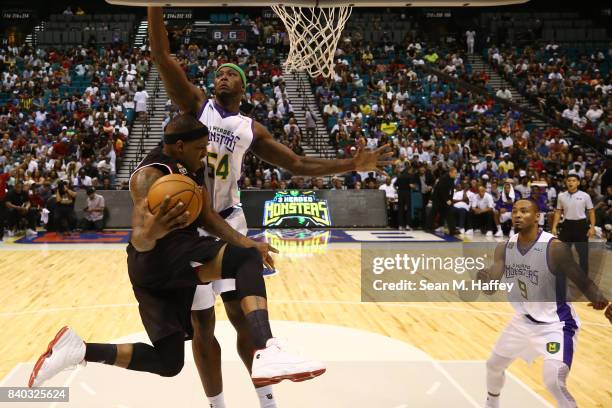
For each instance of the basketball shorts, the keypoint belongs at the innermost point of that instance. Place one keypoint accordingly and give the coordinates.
(164, 280)
(205, 295)
(528, 340)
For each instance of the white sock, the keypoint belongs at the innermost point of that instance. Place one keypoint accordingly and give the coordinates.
(266, 399)
(217, 401)
(492, 402)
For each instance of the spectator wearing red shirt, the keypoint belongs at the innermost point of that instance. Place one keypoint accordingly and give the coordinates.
(536, 163)
(60, 148)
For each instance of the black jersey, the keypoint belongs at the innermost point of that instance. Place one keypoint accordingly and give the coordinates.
(164, 279)
(168, 165)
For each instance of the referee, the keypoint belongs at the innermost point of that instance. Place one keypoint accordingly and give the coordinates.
(575, 205)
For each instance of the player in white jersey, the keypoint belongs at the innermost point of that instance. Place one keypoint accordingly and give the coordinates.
(545, 324)
(231, 135)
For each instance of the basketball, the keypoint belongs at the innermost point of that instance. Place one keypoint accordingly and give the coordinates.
(179, 188)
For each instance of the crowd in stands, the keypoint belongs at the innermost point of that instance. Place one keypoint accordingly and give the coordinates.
(65, 116)
(566, 83)
(381, 95)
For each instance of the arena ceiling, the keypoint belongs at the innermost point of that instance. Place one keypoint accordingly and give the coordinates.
(321, 3)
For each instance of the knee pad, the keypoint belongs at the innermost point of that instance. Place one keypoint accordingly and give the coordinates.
(235, 257)
(171, 369)
(246, 266)
(152, 360)
(171, 353)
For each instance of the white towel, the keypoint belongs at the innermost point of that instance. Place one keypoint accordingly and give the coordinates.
(44, 216)
(511, 195)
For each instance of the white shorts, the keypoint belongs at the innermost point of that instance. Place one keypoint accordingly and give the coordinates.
(205, 295)
(528, 340)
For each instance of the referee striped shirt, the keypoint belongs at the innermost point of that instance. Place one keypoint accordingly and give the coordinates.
(574, 205)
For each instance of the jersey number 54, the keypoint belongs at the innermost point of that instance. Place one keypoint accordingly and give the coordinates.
(222, 166)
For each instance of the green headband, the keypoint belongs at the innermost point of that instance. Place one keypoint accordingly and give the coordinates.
(237, 69)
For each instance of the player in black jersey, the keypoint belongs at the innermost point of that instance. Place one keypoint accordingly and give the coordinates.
(166, 260)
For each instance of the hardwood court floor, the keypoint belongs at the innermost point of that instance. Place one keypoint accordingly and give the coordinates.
(90, 291)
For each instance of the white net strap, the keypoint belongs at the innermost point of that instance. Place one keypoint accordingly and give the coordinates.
(314, 33)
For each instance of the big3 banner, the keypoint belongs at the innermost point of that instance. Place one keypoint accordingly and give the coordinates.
(293, 208)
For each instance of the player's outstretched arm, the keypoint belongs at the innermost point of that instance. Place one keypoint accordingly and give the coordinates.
(147, 228)
(182, 92)
(563, 263)
(212, 222)
(273, 152)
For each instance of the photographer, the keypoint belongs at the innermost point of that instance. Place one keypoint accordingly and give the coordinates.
(65, 218)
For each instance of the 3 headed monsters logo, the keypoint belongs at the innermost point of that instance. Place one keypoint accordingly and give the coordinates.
(295, 208)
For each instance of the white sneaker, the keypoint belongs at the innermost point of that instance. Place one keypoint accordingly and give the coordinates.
(462, 231)
(31, 233)
(274, 364)
(66, 350)
(499, 234)
(489, 233)
(407, 228)
(469, 232)
(10, 233)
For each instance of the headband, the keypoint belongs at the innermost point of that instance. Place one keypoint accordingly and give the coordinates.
(237, 69)
(172, 138)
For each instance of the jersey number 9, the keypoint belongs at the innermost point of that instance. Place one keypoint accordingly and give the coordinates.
(523, 288)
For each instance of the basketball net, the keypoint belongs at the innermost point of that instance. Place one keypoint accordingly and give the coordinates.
(314, 33)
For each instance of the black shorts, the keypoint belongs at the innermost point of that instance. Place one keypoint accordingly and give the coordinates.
(164, 281)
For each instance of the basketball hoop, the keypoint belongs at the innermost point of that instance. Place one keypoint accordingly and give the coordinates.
(314, 33)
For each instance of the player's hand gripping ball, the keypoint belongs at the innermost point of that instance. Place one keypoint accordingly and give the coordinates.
(178, 188)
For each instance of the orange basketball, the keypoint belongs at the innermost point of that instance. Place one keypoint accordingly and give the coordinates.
(179, 188)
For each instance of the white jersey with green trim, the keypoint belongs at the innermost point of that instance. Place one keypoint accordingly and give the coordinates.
(230, 136)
